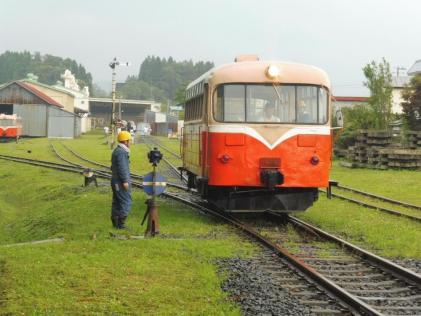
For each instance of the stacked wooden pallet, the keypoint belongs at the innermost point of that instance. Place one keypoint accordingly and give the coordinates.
(401, 158)
(360, 148)
(414, 139)
(376, 149)
(340, 153)
(366, 149)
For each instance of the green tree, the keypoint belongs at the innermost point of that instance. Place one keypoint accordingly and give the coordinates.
(379, 82)
(169, 75)
(98, 92)
(141, 90)
(48, 68)
(180, 94)
(355, 118)
(411, 106)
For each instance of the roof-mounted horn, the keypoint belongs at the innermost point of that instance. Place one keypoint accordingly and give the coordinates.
(241, 58)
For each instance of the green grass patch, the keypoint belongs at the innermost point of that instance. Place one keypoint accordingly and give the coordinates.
(402, 185)
(385, 234)
(90, 272)
(171, 143)
(378, 203)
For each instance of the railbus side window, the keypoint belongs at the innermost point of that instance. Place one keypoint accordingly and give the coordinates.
(200, 112)
(187, 111)
(194, 116)
(323, 102)
(219, 104)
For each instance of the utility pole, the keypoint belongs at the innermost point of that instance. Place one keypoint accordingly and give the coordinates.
(398, 70)
(113, 126)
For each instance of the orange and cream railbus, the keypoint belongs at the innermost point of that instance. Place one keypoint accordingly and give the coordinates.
(10, 126)
(257, 135)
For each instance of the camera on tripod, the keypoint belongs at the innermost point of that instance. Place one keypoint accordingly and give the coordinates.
(155, 156)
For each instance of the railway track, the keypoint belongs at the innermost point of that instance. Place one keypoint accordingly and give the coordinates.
(106, 171)
(103, 167)
(158, 143)
(361, 281)
(169, 170)
(353, 281)
(379, 197)
(370, 205)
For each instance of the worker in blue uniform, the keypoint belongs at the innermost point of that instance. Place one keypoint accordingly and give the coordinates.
(120, 181)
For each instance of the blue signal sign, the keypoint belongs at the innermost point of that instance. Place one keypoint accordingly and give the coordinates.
(152, 187)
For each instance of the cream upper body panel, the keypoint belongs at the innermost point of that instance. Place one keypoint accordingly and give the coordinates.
(255, 72)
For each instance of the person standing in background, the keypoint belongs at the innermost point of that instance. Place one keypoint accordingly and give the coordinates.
(120, 181)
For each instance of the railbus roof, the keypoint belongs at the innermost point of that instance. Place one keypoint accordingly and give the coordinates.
(255, 71)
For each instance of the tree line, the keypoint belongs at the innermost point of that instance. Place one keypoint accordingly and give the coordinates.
(48, 68)
(163, 79)
(159, 79)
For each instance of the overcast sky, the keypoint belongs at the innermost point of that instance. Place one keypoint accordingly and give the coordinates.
(340, 36)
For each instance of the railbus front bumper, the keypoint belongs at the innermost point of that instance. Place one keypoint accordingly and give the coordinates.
(246, 200)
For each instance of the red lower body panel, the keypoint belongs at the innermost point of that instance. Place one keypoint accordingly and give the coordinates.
(234, 160)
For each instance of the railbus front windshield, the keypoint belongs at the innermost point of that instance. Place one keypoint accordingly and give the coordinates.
(269, 103)
(7, 122)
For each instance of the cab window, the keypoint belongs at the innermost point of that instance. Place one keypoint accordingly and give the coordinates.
(268, 103)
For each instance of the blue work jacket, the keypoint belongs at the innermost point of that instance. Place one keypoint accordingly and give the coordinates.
(120, 165)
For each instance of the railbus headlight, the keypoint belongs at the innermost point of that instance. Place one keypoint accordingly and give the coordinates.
(273, 71)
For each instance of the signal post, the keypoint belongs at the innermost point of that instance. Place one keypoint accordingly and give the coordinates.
(153, 184)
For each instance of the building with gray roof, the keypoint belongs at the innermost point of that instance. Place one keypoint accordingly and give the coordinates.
(415, 68)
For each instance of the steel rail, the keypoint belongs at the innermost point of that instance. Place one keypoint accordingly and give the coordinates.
(396, 270)
(42, 163)
(379, 197)
(132, 175)
(173, 168)
(86, 159)
(108, 168)
(108, 173)
(375, 207)
(354, 303)
(97, 172)
(64, 159)
(158, 143)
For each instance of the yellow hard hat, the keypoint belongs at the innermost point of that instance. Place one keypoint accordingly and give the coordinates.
(123, 136)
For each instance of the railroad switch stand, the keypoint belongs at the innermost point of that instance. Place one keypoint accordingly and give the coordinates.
(153, 184)
(332, 183)
(151, 214)
(90, 177)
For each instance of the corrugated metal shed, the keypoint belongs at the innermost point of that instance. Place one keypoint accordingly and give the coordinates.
(61, 124)
(17, 92)
(34, 119)
(78, 126)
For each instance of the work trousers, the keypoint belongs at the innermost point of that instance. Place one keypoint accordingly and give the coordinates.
(122, 199)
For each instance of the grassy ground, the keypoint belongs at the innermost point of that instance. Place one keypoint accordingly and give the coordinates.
(90, 272)
(385, 234)
(172, 144)
(382, 233)
(403, 185)
(376, 202)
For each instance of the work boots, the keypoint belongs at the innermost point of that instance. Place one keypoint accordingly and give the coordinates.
(114, 220)
(121, 222)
